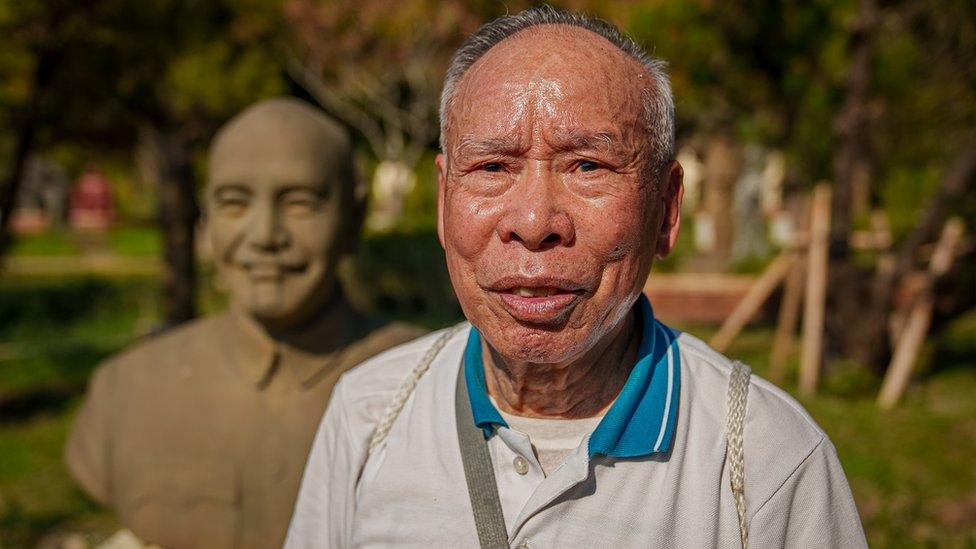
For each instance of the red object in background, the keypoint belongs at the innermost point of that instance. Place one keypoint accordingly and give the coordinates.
(91, 202)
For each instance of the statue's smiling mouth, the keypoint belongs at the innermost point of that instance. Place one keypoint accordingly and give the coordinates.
(270, 271)
(265, 271)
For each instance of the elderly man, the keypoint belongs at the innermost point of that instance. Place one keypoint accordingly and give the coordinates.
(566, 415)
(198, 437)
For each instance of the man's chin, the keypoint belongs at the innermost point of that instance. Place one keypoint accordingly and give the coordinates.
(539, 345)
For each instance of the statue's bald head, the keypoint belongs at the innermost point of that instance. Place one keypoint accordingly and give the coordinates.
(283, 207)
(279, 136)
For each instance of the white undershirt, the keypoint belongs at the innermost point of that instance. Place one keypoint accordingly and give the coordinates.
(552, 439)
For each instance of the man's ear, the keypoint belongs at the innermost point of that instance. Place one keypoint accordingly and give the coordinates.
(441, 162)
(671, 196)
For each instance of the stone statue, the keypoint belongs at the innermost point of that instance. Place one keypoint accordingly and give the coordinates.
(198, 437)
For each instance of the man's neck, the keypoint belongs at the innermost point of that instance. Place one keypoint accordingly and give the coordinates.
(577, 389)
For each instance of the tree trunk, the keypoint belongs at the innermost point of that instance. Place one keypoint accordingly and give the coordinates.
(853, 325)
(11, 184)
(164, 157)
(850, 127)
(43, 73)
(865, 336)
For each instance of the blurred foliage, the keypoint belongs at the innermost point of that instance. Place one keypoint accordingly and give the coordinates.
(403, 274)
(766, 71)
(121, 65)
(772, 72)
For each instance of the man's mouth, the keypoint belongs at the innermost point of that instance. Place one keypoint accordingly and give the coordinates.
(538, 300)
(524, 291)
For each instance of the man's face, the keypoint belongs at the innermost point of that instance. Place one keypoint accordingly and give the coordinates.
(548, 211)
(274, 221)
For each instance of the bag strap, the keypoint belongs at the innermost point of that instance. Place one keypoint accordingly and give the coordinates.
(478, 472)
(406, 388)
(735, 418)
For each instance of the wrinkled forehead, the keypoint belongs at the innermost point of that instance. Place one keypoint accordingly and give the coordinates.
(554, 75)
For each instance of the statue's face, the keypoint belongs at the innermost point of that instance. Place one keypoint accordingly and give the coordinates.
(274, 221)
(549, 212)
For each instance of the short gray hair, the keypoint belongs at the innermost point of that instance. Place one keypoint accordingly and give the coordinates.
(658, 102)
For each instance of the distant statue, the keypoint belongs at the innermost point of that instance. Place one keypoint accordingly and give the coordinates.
(198, 437)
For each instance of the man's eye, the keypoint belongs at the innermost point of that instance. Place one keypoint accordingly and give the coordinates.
(588, 166)
(493, 167)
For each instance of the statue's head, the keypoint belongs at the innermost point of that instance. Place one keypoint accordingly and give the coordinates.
(282, 209)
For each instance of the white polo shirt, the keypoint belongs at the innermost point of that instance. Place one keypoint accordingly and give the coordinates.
(652, 473)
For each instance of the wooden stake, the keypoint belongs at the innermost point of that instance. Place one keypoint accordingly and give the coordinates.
(919, 319)
(789, 314)
(754, 298)
(816, 290)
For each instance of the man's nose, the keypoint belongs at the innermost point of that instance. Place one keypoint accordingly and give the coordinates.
(265, 230)
(535, 216)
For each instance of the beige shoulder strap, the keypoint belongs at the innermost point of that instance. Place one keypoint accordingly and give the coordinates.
(408, 385)
(735, 419)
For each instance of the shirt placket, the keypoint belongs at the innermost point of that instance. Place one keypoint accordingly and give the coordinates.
(524, 494)
(517, 471)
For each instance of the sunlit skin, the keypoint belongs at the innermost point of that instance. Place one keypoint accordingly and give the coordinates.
(550, 216)
(274, 215)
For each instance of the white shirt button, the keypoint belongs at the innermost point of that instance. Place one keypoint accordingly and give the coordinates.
(521, 466)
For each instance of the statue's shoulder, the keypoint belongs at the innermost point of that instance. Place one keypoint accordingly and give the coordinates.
(383, 374)
(194, 341)
(381, 337)
(394, 333)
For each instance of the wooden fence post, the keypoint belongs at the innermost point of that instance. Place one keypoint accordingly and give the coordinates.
(789, 314)
(917, 325)
(767, 282)
(816, 290)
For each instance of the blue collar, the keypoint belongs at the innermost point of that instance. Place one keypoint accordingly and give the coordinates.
(641, 420)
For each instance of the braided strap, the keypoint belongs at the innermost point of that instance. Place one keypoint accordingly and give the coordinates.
(738, 393)
(408, 385)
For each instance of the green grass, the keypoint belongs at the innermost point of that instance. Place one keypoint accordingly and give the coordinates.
(53, 333)
(48, 243)
(912, 469)
(36, 494)
(126, 241)
(135, 241)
